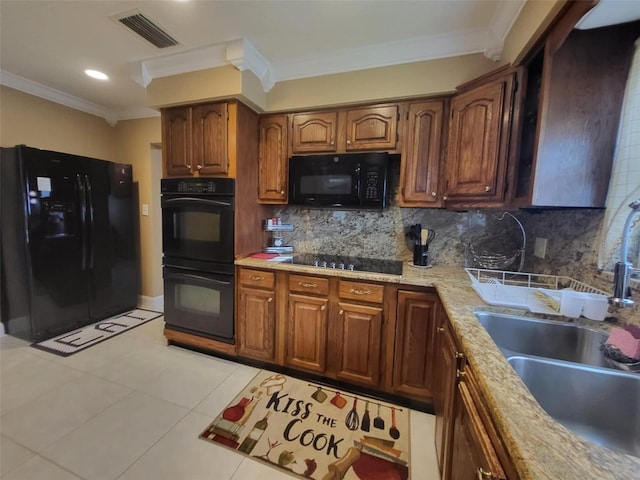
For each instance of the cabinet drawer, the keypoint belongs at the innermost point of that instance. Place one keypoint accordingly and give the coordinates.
(257, 278)
(366, 292)
(306, 284)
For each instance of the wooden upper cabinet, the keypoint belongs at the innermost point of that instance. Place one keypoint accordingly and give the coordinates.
(373, 128)
(314, 132)
(420, 163)
(478, 143)
(345, 130)
(414, 344)
(572, 89)
(176, 141)
(209, 137)
(273, 161)
(194, 140)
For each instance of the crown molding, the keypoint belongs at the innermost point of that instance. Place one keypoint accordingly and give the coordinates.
(239, 52)
(244, 56)
(430, 47)
(25, 85)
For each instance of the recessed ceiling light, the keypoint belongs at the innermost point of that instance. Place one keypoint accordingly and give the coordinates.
(96, 74)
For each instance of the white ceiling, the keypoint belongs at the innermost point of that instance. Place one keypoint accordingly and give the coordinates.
(46, 45)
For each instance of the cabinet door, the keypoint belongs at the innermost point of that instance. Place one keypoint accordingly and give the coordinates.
(414, 343)
(256, 323)
(473, 454)
(421, 159)
(478, 142)
(209, 137)
(307, 333)
(176, 141)
(273, 161)
(446, 362)
(372, 128)
(314, 132)
(358, 335)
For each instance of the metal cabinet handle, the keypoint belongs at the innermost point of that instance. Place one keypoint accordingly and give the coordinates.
(341, 312)
(434, 194)
(189, 167)
(348, 142)
(270, 299)
(439, 329)
(199, 167)
(484, 475)
(281, 192)
(332, 142)
(256, 278)
(323, 307)
(487, 188)
(307, 285)
(357, 291)
(459, 355)
(445, 197)
(460, 373)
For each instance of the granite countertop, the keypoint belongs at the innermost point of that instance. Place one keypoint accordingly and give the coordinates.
(541, 448)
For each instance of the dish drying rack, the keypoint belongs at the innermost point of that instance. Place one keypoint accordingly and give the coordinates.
(530, 291)
(497, 261)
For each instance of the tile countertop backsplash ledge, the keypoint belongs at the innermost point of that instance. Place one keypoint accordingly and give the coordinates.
(542, 449)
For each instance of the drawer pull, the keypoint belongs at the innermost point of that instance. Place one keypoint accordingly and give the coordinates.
(341, 312)
(322, 307)
(256, 278)
(308, 285)
(270, 299)
(484, 475)
(459, 355)
(440, 329)
(460, 373)
(357, 291)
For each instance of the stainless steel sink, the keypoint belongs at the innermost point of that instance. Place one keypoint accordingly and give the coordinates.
(601, 405)
(545, 338)
(562, 366)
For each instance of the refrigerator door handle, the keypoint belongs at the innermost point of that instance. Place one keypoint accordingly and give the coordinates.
(83, 220)
(90, 225)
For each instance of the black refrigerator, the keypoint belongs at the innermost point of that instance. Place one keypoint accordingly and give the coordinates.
(68, 241)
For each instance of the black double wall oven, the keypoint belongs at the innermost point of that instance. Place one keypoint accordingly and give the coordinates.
(198, 255)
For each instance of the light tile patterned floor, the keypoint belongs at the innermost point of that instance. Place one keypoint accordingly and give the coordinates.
(131, 408)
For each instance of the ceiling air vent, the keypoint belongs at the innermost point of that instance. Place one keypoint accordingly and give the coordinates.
(148, 30)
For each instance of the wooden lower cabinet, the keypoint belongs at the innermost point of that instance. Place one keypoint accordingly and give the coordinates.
(448, 358)
(307, 333)
(256, 314)
(468, 445)
(414, 344)
(473, 455)
(358, 335)
(256, 324)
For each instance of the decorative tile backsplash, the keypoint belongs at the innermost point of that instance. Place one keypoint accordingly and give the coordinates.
(572, 236)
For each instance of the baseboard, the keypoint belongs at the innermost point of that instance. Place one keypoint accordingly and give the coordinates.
(151, 303)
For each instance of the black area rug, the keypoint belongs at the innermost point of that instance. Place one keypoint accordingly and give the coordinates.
(85, 337)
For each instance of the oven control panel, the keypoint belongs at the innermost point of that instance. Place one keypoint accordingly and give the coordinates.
(198, 186)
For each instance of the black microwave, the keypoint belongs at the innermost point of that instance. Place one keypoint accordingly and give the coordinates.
(341, 181)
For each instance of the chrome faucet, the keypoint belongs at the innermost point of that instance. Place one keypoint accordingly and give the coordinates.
(624, 269)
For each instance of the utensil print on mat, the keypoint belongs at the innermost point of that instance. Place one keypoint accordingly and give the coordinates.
(353, 420)
(378, 422)
(319, 396)
(366, 421)
(393, 431)
(338, 400)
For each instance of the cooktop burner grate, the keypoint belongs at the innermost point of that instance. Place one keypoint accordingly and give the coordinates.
(392, 267)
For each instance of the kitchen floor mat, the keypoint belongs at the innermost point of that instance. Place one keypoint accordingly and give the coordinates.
(85, 337)
(314, 431)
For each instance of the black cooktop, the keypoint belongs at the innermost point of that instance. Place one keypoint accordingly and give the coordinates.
(340, 262)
